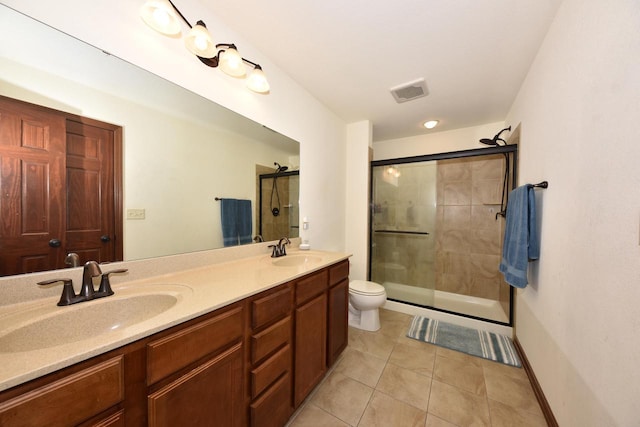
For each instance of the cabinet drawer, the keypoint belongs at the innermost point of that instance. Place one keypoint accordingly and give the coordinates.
(270, 370)
(311, 286)
(178, 350)
(271, 307)
(69, 400)
(274, 408)
(267, 341)
(338, 272)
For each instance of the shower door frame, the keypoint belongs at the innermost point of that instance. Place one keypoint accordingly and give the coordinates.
(511, 149)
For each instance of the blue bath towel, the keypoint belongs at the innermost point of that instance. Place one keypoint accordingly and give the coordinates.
(243, 224)
(236, 221)
(520, 236)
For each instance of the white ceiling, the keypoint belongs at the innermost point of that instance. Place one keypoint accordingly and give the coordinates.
(473, 54)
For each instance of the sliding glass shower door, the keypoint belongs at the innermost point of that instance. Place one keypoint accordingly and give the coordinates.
(403, 227)
(436, 232)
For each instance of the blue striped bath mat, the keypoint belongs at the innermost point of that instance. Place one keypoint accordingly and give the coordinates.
(487, 345)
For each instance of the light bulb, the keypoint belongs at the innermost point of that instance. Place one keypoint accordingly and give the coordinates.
(231, 63)
(430, 124)
(161, 16)
(257, 81)
(199, 42)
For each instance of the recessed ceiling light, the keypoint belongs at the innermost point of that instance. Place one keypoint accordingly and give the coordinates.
(430, 124)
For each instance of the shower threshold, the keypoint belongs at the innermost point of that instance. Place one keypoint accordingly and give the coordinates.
(480, 308)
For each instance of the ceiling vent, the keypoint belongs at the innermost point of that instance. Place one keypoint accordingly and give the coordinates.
(409, 91)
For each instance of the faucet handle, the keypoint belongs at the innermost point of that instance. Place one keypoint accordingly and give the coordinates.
(68, 296)
(105, 287)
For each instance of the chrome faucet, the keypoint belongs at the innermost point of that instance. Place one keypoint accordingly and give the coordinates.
(280, 249)
(87, 290)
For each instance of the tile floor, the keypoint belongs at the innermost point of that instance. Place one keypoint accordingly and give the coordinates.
(385, 379)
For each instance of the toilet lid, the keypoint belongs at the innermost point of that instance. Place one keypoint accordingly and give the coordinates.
(364, 287)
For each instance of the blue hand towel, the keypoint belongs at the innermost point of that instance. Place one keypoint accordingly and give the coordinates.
(236, 218)
(520, 236)
(228, 215)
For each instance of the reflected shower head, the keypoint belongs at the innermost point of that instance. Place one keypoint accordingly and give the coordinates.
(495, 139)
(280, 168)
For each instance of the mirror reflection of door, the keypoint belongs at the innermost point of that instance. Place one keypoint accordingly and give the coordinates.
(60, 186)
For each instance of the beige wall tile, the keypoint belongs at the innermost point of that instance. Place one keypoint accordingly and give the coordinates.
(457, 193)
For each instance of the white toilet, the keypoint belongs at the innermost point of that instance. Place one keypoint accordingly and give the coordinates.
(365, 298)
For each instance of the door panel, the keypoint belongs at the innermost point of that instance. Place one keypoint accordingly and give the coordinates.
(32, 162)
(90, 194)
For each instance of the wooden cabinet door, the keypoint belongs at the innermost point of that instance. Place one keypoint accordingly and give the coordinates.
(32, 204)
(310, 346)
(209, 395)
(337, 326)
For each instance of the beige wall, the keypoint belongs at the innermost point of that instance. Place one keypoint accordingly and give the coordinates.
(578, 320)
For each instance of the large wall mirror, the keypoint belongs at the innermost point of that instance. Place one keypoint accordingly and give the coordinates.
(181, 151)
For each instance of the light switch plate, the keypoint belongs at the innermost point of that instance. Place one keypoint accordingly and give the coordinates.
(135, 213)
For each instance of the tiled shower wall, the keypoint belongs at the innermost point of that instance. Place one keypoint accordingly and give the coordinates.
(286, 223)
(468, 237)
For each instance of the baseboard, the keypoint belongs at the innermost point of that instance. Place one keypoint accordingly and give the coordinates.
(537, 390)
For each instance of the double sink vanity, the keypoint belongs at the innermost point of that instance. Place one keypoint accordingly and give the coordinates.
(236, 343)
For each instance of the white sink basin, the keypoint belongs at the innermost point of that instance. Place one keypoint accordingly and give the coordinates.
(297, 260)
(53, 326)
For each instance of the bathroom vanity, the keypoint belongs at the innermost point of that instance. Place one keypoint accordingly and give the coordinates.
(251, 359)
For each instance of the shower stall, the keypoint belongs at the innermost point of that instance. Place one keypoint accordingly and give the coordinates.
(278, 210)
(437, 226)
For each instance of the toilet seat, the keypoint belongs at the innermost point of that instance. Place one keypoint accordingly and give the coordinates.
(363, 287)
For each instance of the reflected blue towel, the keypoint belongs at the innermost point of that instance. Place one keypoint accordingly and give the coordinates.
(228, 215)
(236, 221)
(244, 222)
(520, 236)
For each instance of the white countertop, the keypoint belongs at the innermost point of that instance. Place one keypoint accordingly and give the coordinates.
(201, 291)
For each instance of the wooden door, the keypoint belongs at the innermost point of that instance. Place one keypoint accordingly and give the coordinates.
(32, 181)
(60, 188)
(90, 220)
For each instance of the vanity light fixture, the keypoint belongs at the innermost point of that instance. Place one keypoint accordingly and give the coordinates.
(164, 17)
(430, 124)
